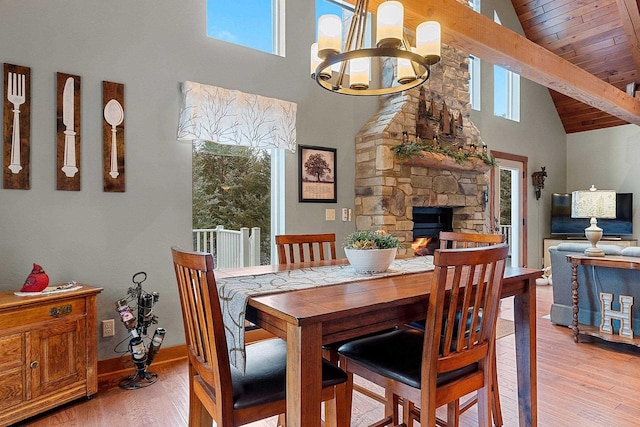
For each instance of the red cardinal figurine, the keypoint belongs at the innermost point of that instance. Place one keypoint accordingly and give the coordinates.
(36, 281)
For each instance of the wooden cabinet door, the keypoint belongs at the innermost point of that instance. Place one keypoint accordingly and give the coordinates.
(56, 356)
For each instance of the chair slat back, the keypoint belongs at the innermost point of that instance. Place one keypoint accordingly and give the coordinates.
(294, 248)
(453, 240)
(202, 317)
(467, 283)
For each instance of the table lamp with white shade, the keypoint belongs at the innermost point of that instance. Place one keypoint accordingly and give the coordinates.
(593, 203)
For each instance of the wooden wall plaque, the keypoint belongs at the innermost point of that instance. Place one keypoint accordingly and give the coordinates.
(113, 115)
(16, 128)
(68, 132)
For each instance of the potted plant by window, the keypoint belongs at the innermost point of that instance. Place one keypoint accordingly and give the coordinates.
(370, 251)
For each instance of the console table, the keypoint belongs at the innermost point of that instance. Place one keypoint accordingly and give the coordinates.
(547, 243)
(631, 263)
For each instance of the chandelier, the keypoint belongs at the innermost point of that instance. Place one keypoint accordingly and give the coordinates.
(330, 64)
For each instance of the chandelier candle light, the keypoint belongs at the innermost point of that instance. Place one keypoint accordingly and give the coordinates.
(330, 63)
(593, 204)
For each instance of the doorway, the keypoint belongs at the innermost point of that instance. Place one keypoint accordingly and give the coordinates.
(508, 210)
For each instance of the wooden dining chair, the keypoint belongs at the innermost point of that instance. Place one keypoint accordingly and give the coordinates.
(451, 239)
(439, 367)
(317, 247)
(219, 391)
(305, 247)
(456, 240)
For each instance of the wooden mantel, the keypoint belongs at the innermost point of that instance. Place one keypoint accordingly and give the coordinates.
(465, 29)
(441, 161)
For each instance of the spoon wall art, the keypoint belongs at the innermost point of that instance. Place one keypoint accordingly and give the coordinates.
(113, 176)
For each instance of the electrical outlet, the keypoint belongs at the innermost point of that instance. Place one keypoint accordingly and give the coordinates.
(108, 328)
(345, 214)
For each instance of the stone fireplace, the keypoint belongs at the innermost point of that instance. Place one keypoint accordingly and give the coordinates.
(387, 189)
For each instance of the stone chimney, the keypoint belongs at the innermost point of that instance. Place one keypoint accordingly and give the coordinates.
(387, 190)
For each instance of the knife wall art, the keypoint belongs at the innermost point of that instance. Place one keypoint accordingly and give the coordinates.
(113, 137)
(68, 132)
(16, 127)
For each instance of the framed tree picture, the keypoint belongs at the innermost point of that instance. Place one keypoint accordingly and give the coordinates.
(317, 174)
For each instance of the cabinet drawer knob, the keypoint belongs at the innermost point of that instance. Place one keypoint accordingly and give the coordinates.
(34, 364)
(60, 311)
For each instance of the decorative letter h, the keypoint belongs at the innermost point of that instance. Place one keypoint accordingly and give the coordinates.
(624, 315)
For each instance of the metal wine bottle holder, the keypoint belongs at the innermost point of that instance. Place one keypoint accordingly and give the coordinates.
(141, 355)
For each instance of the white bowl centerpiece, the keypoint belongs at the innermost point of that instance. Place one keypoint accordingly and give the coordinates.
(370, 251)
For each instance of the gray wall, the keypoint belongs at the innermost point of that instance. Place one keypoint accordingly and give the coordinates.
(539, 136)
(104, 238)
(608, 159)
(101, 238)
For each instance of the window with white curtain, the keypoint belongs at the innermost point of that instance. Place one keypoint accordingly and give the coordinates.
(238, 153)
(506, 90)
(258, 24)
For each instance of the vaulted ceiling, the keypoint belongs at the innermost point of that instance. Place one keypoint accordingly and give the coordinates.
(584, 51)
(598, 36)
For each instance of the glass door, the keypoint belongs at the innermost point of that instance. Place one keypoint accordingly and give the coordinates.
(508, 207)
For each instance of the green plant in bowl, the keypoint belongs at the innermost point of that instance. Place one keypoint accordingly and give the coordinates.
(371, 239)
(370, 251)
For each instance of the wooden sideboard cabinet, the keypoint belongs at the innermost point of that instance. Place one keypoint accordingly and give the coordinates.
(48, 351)
(547, 243)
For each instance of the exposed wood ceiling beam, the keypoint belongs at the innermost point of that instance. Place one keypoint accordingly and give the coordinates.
(630, 17)
(476, 34)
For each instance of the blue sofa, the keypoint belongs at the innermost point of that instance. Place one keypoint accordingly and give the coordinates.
(592, 281)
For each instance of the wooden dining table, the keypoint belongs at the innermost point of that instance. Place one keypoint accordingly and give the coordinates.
(308, 318)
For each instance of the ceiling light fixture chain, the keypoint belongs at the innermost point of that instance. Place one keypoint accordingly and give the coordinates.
(330, 63)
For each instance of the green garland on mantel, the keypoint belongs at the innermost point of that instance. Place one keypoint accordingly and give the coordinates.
(413, 149)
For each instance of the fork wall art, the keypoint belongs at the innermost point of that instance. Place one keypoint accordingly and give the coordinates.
(113, 137)
(68, 132)
(16, 158)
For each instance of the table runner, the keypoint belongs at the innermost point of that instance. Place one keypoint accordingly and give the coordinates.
(234, 292)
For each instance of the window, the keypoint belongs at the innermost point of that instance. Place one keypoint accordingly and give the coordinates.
(474, 69)
(257, 24)
(474, 82)
(325, 7)
(232, 186)
(506, 94)
(506, 90)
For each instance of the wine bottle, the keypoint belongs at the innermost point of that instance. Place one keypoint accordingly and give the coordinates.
(126, 314)
(145, 311)
(156, 342)
(137, 349)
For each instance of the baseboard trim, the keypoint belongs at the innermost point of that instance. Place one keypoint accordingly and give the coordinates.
(120, 366)
(110, 371)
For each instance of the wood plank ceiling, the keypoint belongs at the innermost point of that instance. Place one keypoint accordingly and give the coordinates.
(598, 36)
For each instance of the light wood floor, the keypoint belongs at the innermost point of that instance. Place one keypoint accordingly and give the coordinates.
(578, 385)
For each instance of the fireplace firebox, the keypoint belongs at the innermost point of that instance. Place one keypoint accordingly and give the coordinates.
(428, 222)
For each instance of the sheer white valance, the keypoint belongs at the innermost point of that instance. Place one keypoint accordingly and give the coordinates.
(231, 117)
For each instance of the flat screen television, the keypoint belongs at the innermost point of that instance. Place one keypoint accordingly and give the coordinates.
(563, 224)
